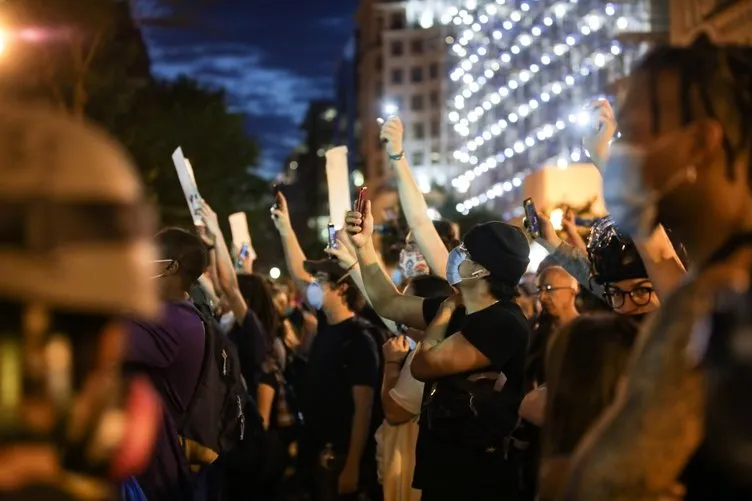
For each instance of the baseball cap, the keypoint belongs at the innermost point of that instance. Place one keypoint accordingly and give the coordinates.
(500, 248)
(328, 266)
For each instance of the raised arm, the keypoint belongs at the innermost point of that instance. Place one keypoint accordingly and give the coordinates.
(348, 259)
(294, 256)
(663, 265)
(412, 200)
(226, 277)
(384, 296)
(574, 260)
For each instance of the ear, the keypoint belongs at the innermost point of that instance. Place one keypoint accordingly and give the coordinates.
(707, 140)
(172, 268)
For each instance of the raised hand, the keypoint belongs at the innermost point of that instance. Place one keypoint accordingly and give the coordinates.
(210, 220)
(342, 253)
(597, 139)
(396, 349)
(392, 133)
(360, 226)
(281, 215)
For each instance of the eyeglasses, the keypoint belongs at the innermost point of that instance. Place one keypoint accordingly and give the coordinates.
(548, 289)
(640, 295)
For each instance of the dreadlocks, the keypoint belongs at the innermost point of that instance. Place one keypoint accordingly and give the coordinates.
(721, 78)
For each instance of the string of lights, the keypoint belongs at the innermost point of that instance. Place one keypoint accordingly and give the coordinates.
(523, 72)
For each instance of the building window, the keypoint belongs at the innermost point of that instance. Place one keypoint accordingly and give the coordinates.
(433, 98)
(416, 103)
(397, 76)
(417, 158)
(433, 71)
(397, 49)
(435, 157)
(419, 131)
(416, 46)
(397, 21)
(416, 74)
(435, 129)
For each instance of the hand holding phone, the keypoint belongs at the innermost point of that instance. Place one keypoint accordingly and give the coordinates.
(532, 224)
(332, 243)
(277, 190)
(360, 205)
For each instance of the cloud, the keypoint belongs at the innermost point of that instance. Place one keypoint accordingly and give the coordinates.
(272, 61)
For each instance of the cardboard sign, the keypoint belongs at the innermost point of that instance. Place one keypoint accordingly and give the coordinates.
(240, 233)
(338, 183)
(188, 183)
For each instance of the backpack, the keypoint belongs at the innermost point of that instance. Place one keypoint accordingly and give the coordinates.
(215, 418)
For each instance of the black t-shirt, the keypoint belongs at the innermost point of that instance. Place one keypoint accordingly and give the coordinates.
(501, 333)
(250, 338)
(342, 356)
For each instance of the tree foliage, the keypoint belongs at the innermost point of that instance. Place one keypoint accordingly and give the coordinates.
(88, 58)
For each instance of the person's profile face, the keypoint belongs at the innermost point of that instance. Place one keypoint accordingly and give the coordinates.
(673, 146)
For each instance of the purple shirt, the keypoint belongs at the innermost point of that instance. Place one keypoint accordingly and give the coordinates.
(171, 351)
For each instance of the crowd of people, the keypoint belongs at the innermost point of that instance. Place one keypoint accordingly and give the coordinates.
(142, 364)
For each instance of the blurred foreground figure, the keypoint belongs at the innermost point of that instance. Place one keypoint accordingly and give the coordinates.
(75, 255)
(683, 161)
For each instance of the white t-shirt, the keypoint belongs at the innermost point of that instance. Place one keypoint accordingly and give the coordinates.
(395, 445)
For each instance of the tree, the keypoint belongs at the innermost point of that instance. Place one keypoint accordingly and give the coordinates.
(72, 52)
(182, 113)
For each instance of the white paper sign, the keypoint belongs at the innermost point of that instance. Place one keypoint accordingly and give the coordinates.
(188, 183)
(338, 183)
(240, 233)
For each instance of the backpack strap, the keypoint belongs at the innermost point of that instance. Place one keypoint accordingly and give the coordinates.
(205, 364)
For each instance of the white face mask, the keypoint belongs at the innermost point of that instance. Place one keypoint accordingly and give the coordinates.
(167, 263)
(457, 256)
(227, 321)
(632, 204)
(315, 295)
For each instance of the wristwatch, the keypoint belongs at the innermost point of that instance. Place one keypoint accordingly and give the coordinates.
(397, 156)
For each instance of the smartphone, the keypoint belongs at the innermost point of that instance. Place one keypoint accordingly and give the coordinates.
(531, 215)
(360, 205)
(410, 342)
(243, 254)
(277, 190)
(332, 238)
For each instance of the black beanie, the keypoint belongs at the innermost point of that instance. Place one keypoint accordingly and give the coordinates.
(500, 248)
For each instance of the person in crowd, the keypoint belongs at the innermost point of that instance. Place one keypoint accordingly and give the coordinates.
(472, 355)
(434, 241)
(401, 396)
(72, 426)
(171, 351)
(339, 395)
(273, 396)
(586, 361)
(685, 158)
(253, 341)
(527, 297)
(557, 291)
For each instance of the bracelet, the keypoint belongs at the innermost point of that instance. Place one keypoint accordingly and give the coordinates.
(398, 156)
(351, 268)
(211, 247)
(393, 362)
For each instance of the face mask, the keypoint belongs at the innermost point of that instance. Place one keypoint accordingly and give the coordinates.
(413, 264)
(456, 257)
(315, 295)
(226, 321)
(632, 204)
(168, 264)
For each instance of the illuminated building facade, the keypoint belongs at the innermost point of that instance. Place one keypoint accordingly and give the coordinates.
(524, 70)
(401, 69)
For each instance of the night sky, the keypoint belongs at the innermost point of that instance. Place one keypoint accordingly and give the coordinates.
(272, 57)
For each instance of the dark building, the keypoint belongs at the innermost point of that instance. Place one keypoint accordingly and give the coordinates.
(305, 176)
